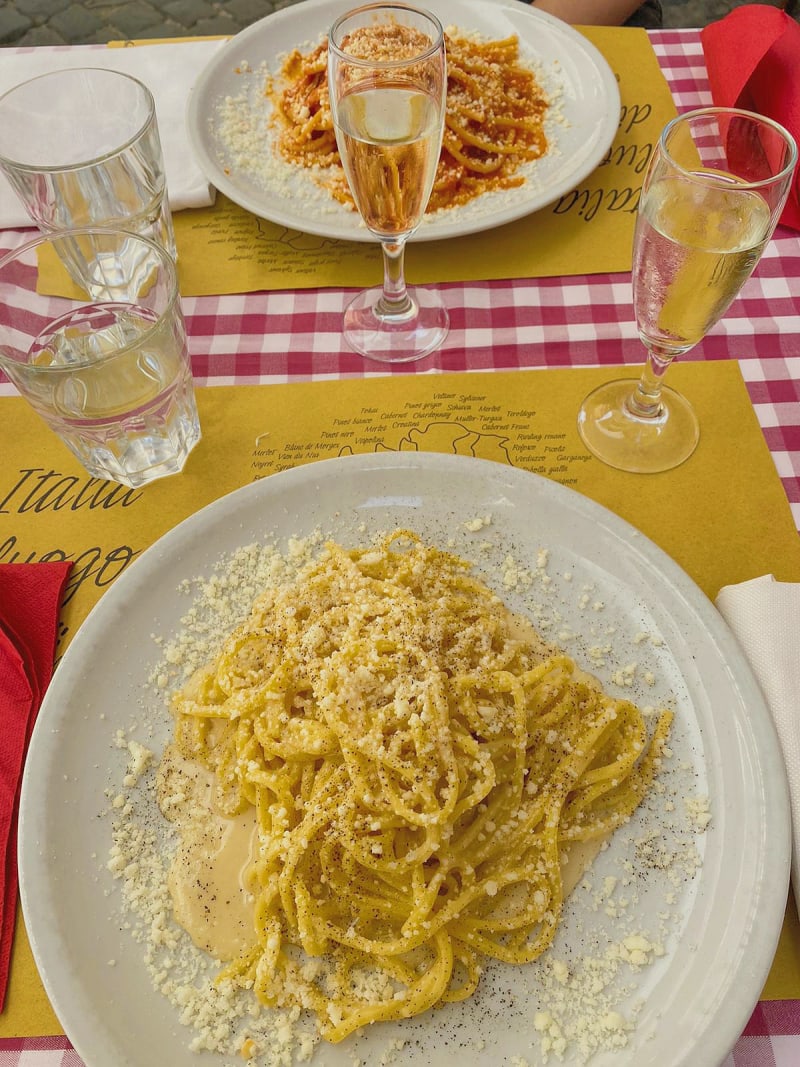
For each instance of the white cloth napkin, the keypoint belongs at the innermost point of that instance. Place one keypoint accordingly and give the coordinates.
(765, 618)
(168, 70)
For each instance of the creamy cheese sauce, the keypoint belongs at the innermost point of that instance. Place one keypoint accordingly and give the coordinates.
(208, 877)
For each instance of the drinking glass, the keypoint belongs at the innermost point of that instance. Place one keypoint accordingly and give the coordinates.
(387, 81)
(80, 147)
(714, 190)
(107, 368)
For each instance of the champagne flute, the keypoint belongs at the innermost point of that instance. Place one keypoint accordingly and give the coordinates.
(387, 81)
(714, 190)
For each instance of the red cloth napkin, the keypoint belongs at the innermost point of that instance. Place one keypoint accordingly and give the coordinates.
(30, 601)
(753, 61)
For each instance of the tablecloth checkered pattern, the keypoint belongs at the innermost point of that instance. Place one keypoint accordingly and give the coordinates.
(525, 323)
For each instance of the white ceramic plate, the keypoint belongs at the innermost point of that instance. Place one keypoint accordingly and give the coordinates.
(599, 579)
(585, 93)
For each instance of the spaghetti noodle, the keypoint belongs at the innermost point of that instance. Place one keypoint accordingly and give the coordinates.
(417, 759)
(494, 123)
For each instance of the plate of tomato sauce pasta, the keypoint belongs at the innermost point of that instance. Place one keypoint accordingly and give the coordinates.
(532, 109)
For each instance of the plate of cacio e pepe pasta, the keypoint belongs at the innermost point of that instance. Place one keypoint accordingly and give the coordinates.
(532, 109)
(392, 755)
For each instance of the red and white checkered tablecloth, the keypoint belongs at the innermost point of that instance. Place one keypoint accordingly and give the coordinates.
(577, 321)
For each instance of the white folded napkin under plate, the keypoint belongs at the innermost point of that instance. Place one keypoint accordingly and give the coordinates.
(765, 618)
(168, 70)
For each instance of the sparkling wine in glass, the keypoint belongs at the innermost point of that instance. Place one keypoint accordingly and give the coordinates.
(387, 80)
(715, 188)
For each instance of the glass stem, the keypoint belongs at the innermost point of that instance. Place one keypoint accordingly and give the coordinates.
(645, 401)
(395, 301)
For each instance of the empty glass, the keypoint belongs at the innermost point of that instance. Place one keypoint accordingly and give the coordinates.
(80, 147)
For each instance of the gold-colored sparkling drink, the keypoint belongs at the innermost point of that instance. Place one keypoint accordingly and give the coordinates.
(390, 148)
(715, 188)
(694, 249)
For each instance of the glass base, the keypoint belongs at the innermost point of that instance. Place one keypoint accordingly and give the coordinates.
(629, 442)
(396, 338)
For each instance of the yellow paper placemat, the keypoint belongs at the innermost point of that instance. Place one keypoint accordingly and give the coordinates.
(722, 522)
(225, 249)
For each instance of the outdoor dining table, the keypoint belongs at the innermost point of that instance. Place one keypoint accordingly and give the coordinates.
(526, 327)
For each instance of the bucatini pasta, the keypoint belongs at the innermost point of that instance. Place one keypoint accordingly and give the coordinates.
(495, 119)
(416, 760)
